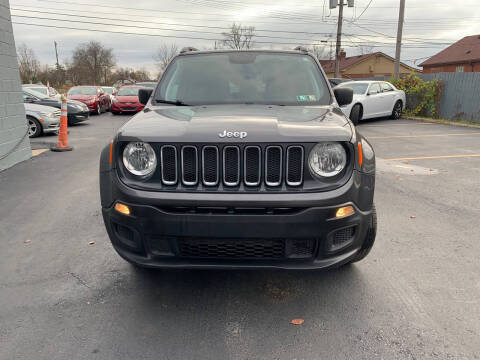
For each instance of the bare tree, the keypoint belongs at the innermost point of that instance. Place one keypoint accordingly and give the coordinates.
(28, 64)
(365, 49)
(318, 51)
(164, 54)
(239, 37)
(91, 63)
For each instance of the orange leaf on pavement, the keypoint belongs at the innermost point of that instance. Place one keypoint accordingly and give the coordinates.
(297, 321)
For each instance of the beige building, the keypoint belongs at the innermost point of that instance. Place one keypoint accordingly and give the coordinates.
(364, 66)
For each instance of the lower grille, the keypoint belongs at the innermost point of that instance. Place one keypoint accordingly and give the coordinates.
(232, 249)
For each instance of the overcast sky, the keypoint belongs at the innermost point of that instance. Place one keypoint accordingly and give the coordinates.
(429, 25)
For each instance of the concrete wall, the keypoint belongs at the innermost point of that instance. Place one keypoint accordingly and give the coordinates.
(13, 125)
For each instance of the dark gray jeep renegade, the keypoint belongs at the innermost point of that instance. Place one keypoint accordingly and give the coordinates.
(240, 159)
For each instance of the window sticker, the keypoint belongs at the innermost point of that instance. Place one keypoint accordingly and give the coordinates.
(303, 98)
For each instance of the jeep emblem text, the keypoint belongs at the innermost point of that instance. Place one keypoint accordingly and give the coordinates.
(233, 134)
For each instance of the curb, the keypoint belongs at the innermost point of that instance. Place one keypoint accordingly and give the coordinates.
(438, 121)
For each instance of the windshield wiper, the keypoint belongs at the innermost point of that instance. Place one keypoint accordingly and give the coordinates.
(176, 102)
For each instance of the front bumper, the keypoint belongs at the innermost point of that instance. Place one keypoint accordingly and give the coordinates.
(77, 117)
(50, 125)
(121, 107)
(183, 229)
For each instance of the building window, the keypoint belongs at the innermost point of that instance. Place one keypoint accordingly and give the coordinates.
(460, 68)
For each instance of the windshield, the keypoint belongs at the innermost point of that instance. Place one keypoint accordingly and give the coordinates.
(108, 90)
(82, 91)
(35, 93)
(358, 88)
(244, 77)
(40, 90)
(128, 91)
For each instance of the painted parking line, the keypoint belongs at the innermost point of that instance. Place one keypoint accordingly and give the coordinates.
(367, 126)
(37, 152)
(434, 157)
(422, 135)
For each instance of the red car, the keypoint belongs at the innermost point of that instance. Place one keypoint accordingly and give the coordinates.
(94, 97)
(126, 100)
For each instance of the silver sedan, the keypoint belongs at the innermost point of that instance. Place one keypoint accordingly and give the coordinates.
(41, 119)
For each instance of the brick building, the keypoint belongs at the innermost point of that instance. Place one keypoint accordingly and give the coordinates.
(462, 56)
(14, 142)
(364, 66)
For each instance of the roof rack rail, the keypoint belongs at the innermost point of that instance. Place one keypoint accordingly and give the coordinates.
(301, 48)
(188, 49)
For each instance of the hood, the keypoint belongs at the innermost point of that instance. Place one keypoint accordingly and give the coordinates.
(261, 123)
(127, 98)
(81, 97)
(39, 108)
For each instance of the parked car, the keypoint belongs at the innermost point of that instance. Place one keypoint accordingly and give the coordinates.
(126, 100)
(111, 91)
(337, 81)
(49, 91)
(77, 111)
(243, 160)
(42, 119)
(147, 84)
(93, 96)
(373, 99)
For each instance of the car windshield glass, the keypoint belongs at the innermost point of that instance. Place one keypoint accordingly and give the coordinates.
(358, 88)
(128, 91)
(36, 94)
(82, 91)
(244, 78)
(108, 90)
(41, 90)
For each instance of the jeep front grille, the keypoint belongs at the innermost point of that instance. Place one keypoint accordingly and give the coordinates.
(232, 165)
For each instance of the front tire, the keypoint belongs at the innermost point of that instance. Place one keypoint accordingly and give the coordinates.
(356, 114)
(369, 238)
(34, 127)
(99, 109)
(397, 110)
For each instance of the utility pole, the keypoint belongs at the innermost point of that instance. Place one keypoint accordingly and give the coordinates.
(56, 53)
(339, 39)
(401, 16)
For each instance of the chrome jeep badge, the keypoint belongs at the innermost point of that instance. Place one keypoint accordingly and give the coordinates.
(233, 134)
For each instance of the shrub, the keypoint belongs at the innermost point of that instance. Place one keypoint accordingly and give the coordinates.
(423, 97)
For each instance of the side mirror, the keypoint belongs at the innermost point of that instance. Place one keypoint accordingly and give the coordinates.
(344, 95)
(144, 95)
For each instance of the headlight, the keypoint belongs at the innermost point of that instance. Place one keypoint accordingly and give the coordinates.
(115, 100)
(48, 115)
(139, 158)
(327, 159)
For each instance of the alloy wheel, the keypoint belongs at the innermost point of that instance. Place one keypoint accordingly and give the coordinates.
(32, 128)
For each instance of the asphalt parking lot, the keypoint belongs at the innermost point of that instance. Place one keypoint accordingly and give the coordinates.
(65, 293)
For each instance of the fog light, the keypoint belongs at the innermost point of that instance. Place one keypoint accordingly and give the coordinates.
(345, 211)
(122, 209)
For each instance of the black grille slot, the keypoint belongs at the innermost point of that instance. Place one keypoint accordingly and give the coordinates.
(210, 165)
(342, 236)
(189, 165)
(231, 165)
(252, 165)
(232, 249)
(294, 165)
(273, 166)
(169, 164)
